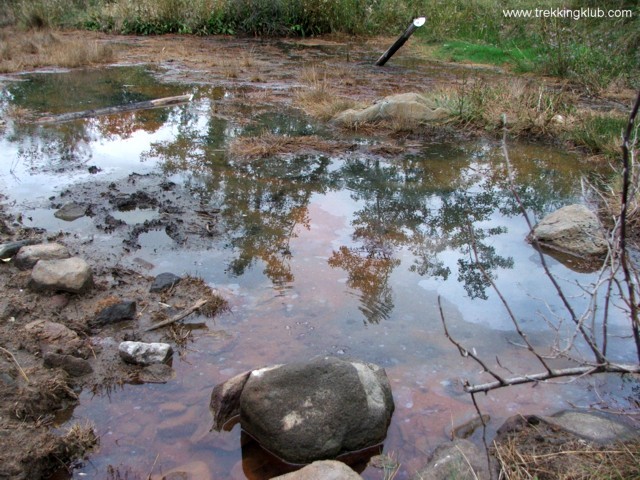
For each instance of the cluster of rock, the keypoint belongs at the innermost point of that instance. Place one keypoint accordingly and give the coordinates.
(54, 269)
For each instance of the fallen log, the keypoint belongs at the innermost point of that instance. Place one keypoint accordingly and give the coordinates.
(147, 104)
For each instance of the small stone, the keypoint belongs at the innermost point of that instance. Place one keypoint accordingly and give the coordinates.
(322, 470)
(163, 282)
(140, 353)
(29, 255)
(74, 366)
(10, 249)
(70, 275)
(70, 212)
(58, 302)
(125, 310)
(195, 470)
(460, 459)
(54, 337)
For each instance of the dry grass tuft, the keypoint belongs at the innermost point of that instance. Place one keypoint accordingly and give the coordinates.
(318, 98)
(530, 110)
(270, 145)
(545, 454)
(42, 48)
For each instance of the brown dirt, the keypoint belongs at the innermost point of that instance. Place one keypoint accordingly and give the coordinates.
(33, 398)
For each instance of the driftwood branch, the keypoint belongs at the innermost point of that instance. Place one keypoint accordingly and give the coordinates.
(552, 374)
(146, 105)
(185, 313)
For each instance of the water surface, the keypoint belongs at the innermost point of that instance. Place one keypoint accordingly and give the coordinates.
(341, 255)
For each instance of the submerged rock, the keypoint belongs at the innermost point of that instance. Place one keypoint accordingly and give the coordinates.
(163, 282)
(405, 107)
(70, 275)
(322, 470)
(140, 353)
(70, 211)
(29, 255)
(573, 229)
(460, 459)
(312, 410)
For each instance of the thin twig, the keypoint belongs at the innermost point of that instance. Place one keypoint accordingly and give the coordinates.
(185, 313)
(464, 352)
(24, 375)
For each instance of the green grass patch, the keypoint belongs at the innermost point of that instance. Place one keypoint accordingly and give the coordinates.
(460, 51)
(599, 133)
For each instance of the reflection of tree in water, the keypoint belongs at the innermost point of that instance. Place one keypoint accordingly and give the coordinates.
(66, 146)
(263, 202)
(406, 204)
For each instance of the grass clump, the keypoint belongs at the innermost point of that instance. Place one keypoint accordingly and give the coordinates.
(599, 133)
(24, 50)
(271, 145)
(530, 109)
(461, 51)
(318, 96)
(569, 460)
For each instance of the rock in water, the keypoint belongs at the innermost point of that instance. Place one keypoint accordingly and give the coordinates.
(70, 211)
(70, 275)
(316, 410)
(573, 229)
(140, 353)
(163, 282)
(29, 255)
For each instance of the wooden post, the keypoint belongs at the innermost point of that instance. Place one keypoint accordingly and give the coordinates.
(417, 23)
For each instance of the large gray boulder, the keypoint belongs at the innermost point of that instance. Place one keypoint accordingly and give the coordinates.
(573, 229)
(70, 275)
(410, 108)
(309, 411)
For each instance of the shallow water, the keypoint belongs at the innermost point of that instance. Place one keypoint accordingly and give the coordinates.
(344, 255)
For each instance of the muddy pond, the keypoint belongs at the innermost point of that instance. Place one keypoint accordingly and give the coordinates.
(339, 254)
